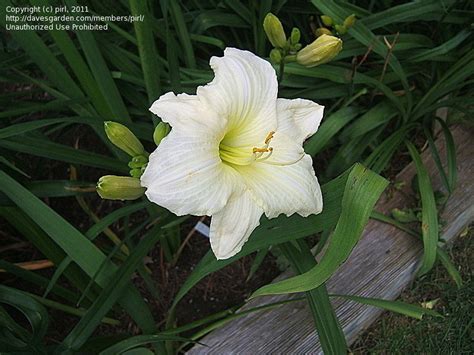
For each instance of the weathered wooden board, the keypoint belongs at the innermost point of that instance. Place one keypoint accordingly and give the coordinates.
(383, 263)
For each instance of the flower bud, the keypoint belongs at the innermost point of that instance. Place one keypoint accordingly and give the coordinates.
(275, 56)
(123, 138)
(136, 173)
(137, 161)
(161, 131)
(295, 36)
(112, 187)
(274, 30)
(322, 31)
(321, 51)
(341, 29)
(404, 216)
(327, 20)
(349, 21)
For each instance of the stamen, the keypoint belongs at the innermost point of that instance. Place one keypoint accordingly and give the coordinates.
(269, 137)
(259, 152)
(270, 151)
(262, 150)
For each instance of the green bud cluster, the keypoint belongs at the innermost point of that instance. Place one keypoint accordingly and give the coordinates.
(123, 187)
(340, 28)
(138, 165)
(285, 49)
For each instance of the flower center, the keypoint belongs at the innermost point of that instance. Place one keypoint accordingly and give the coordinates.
(245, 155)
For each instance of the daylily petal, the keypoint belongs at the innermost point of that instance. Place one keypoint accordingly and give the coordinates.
(186, 176)
(284, 189)
(186, 113)
(244, 91)
(231, 227)
(298, 118)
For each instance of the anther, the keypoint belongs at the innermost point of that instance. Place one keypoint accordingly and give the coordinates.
(262, 150)
(269, 137)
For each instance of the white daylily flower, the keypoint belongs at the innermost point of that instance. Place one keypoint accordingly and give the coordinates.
(235, 152)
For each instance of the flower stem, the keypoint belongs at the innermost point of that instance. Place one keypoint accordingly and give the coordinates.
(281, 72)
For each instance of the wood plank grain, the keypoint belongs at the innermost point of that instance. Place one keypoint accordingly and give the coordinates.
(383, 263)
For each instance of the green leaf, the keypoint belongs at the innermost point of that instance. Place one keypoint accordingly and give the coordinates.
(47, 149)
(409, 12)
(133, 342)
(450, 267)
(111, 293)
(442, 49)
(85, 254)
(261, 254)
(146, 48)
(183, 34)
(440, 253)
(101, 73)
(40, 106)
(213, 18)
(362, 192)
(79, 68)
(373, 118)
(429, 219)
(450, 155)
(36, 279)
(112, 217)
(406, 309)
(329, 330)
(44, 59)
(330, 126)
(382, 154)
(35, 313)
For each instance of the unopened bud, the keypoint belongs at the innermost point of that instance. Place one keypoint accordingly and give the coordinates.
(404, 216)
(136, 173)
(161, 131)
(327, 21)
(321, 51)
(322, 31)
(350, 21)
(123, 138)
(112, 187)
(274, 30)
(340, 29)
(138, 161)
(295, 36)
(275, 56)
